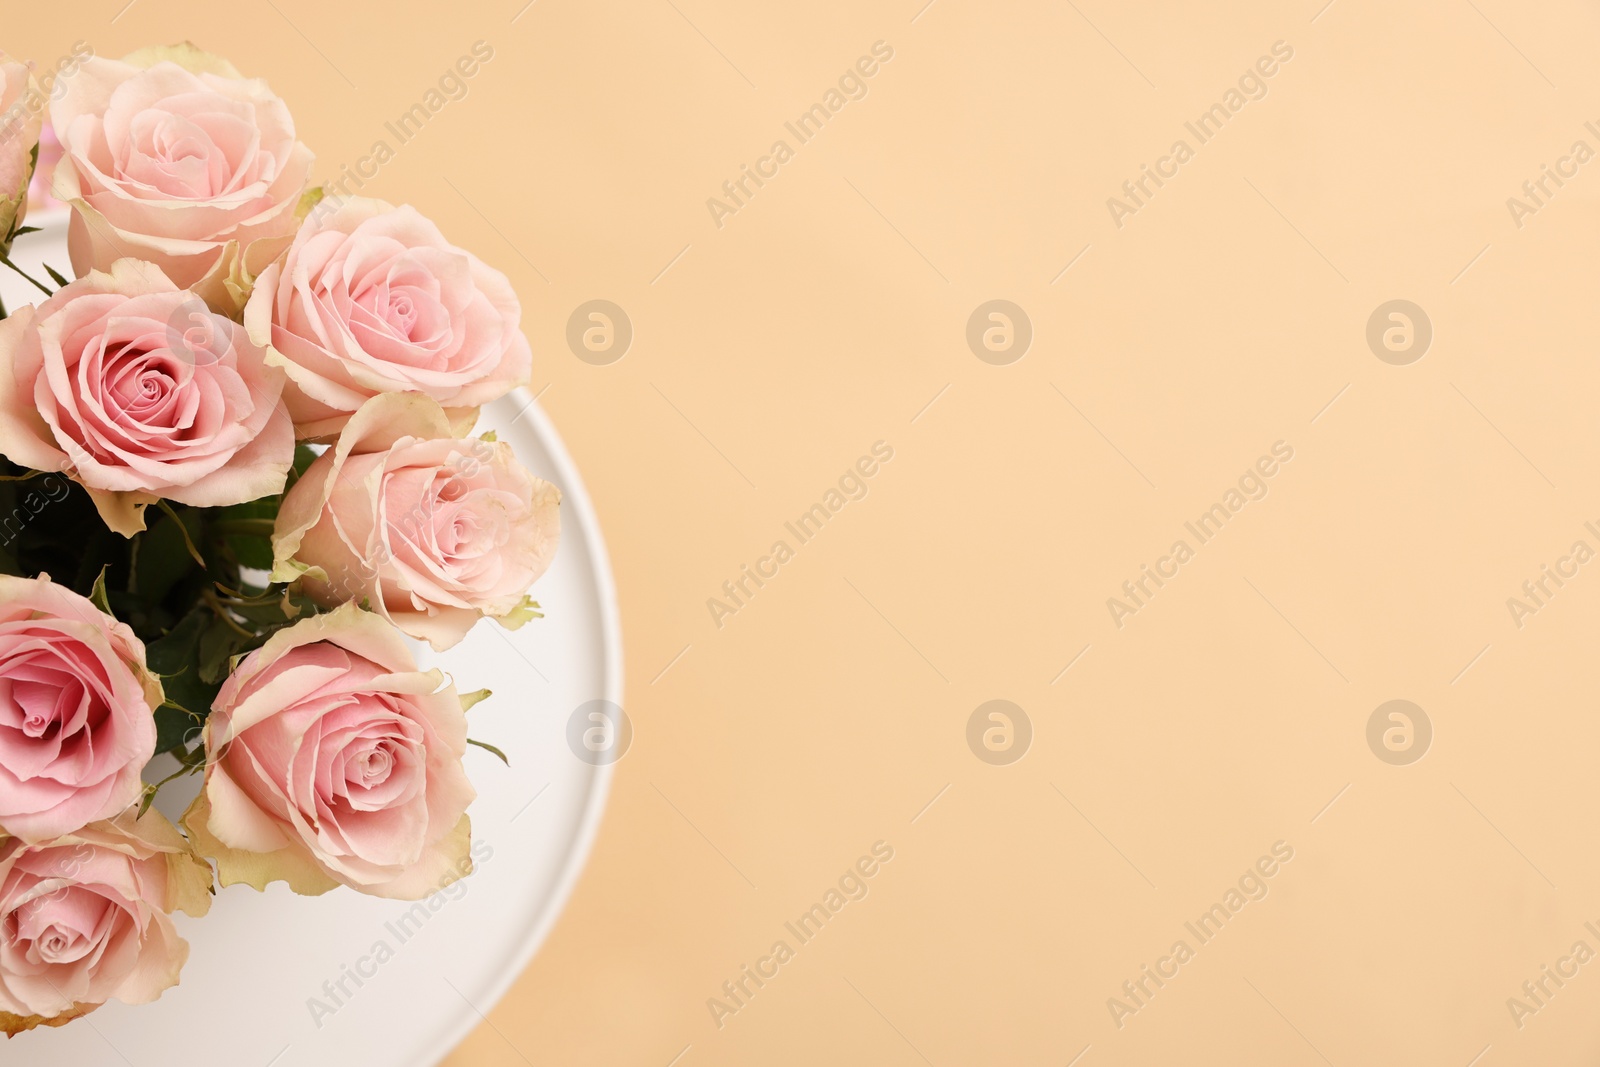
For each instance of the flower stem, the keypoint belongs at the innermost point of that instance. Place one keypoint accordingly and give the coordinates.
(46, 290)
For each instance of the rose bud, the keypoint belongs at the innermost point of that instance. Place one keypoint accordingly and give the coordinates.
(372, 299)
(431, 531)
(172, 156)
(332, 760)
(86, 918)
(140, 393)
(77, 711)
(21, 121)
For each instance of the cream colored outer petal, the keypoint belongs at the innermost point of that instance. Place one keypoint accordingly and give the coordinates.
(25, 437)
(188, 877)
(292, 865)
(161, 960)
(185, 54)
(122, 512)
(233, 818)
(94, 243)
(12, 1025)
(443, 628)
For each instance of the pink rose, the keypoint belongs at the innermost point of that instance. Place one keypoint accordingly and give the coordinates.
(21, 118)
(331, 759)
(371, 299)
(85, 919)
(434, 532)
(77, 711)
(173, 157)
(129, 382)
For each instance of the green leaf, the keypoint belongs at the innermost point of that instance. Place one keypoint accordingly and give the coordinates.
(178, 648)
(217, 646)
(188, 541)
(490, 748)
(163, 561)
(255, 552)
(175, 727)
(56, 276)
(97, 595)
(176, 658)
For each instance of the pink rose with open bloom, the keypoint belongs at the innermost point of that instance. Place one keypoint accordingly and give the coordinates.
(433, 531)
(331, 759)
(372, 299)
(173, 157)
(131, 385)
(77, 711)
(86, 918)
(21, 118)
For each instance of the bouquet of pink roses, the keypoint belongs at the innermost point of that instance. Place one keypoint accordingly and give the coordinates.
(234, 471)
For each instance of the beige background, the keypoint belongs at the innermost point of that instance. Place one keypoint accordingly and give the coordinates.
(1229, 313)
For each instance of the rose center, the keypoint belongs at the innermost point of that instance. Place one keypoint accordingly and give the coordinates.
(42, 701)
(176, 146)
(375, 765)
(145, 385)
(62, 927)
(402, 313)
(56, 945)
(148, 384)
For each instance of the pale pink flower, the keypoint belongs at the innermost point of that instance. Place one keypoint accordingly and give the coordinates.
(333, 760)
(173, 157)
(139, 392)
(77, 711)
(429, 530)
(372, 299)
(85, 918)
